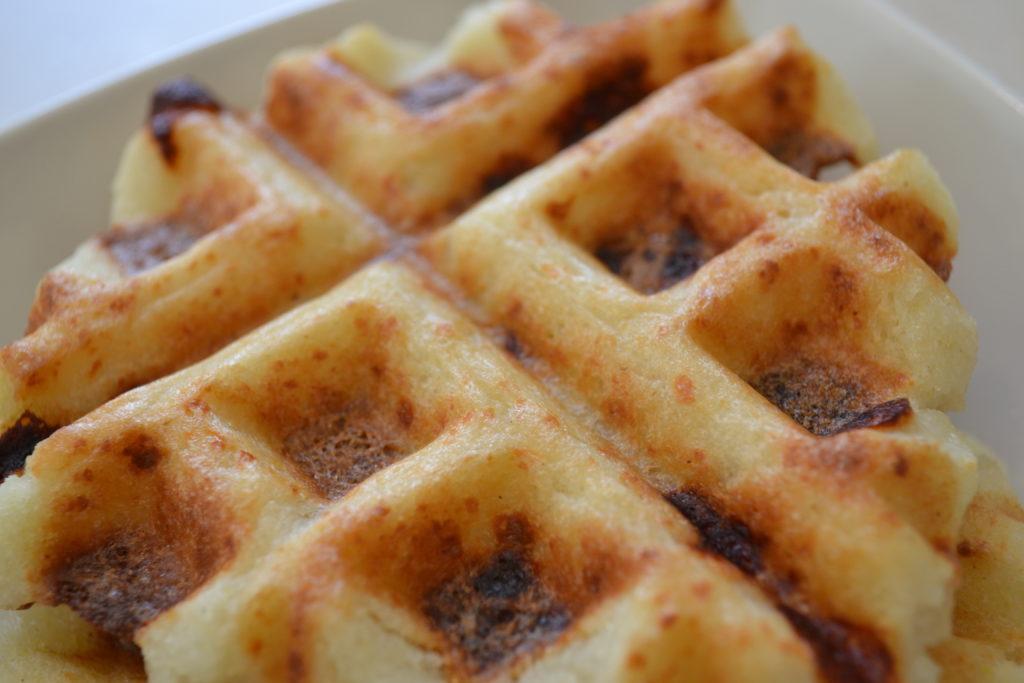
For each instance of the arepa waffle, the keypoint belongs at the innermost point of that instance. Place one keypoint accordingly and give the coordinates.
(662, 408)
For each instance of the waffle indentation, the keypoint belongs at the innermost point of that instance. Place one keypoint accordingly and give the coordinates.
(608, 94)
(436, 89)
(825, 398)
(125, 541)
(18, 442)
(808, 154)
(496, 611)
(645, 222)
(339, 450)
(651, 261)
(139, 248)
(126, 582)
(505, 171)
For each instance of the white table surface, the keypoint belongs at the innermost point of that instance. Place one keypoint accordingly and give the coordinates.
(52, 49)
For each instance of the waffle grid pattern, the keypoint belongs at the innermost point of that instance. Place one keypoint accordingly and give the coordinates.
(662, 408)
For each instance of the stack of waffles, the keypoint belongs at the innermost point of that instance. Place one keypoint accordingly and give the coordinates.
(540, 355)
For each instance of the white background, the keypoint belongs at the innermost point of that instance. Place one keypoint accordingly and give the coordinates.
(52, 49)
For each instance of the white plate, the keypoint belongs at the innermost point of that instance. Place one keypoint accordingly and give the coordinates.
(55, 171)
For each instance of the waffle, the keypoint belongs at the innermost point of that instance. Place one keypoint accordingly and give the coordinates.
(116, 315)
(662, 407)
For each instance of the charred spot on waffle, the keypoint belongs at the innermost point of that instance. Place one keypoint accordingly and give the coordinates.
(877, 416)
(138, 248)
(436, 89)
(19, 440)
(131, 578)
(844, 652)
(608, 93)
(181, 93)
(653, 260)
(499, 609)
(338, 450)
(497, 612)
(728, 538)
(143, 451)
(825, 398)
(171, 100)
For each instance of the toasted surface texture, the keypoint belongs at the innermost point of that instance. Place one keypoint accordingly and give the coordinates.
(539, 355)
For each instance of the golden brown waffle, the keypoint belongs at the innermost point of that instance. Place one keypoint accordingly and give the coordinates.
(512, 85)
(213, 233)
(662, 408)
(124, 311)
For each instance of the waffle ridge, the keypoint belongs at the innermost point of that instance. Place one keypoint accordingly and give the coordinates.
(540, 356)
